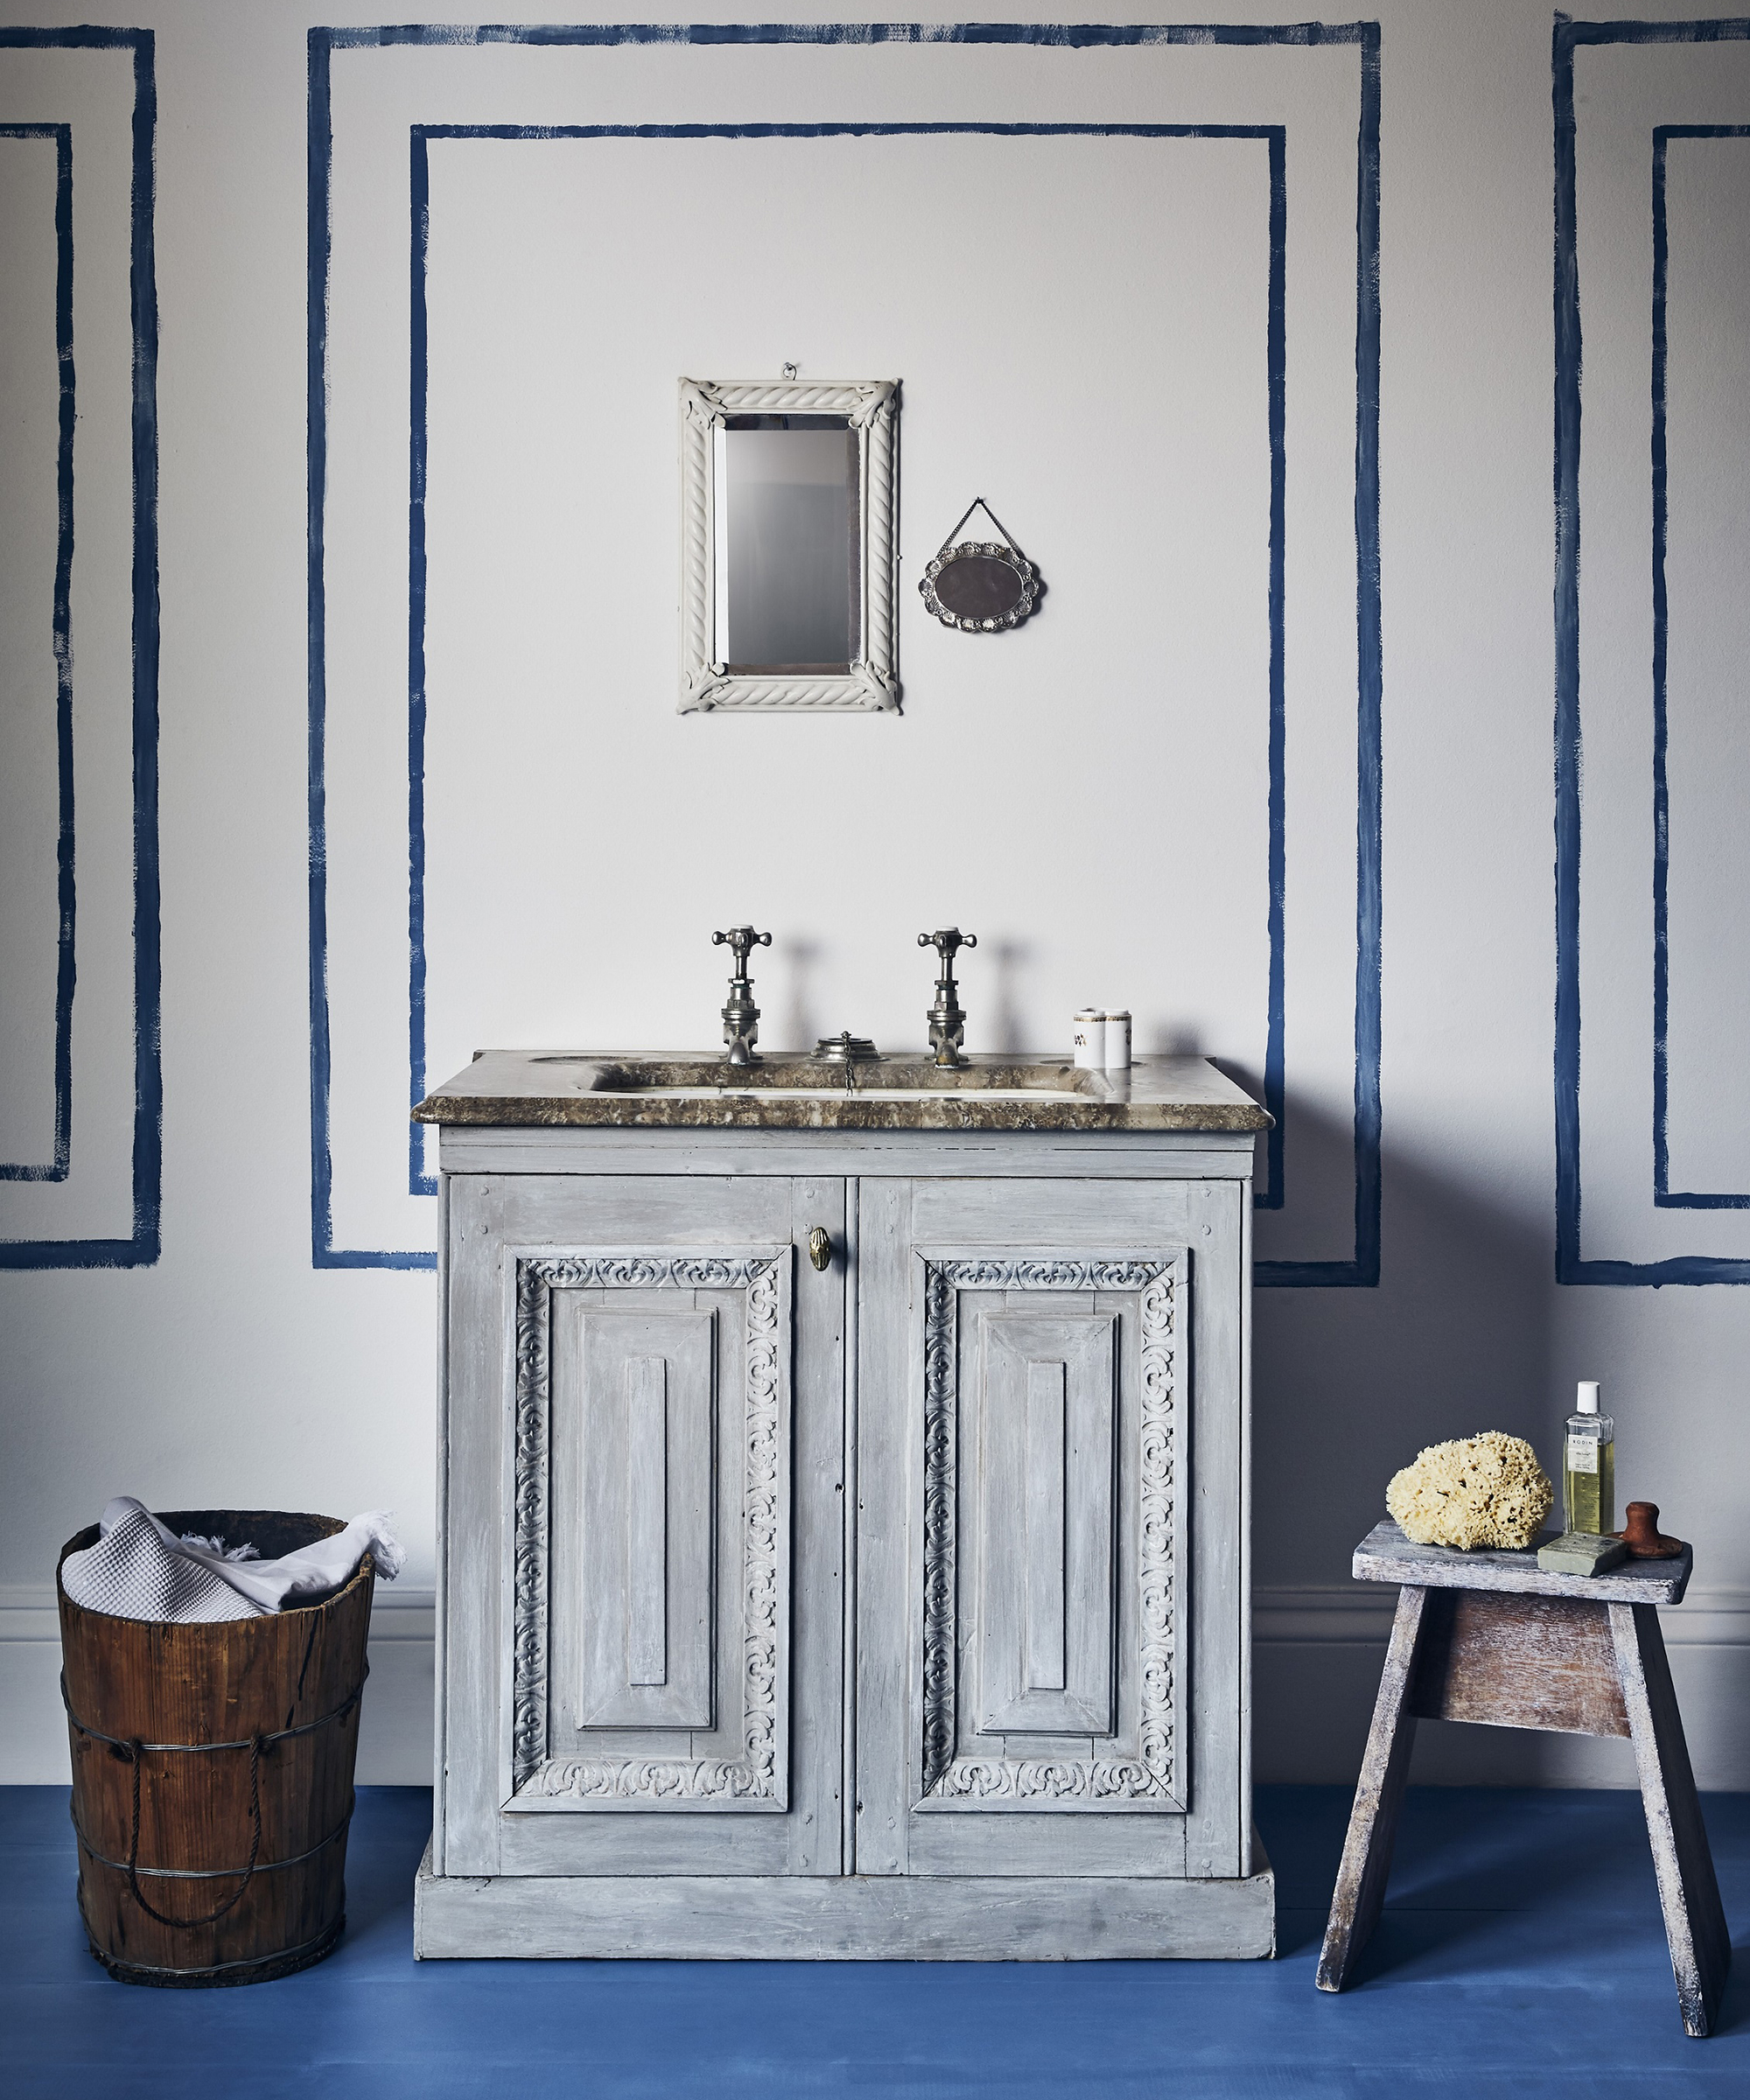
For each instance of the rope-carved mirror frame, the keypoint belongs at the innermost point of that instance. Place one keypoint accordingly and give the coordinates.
(872, 681)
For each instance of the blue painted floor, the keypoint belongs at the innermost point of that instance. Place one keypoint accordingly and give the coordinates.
(1520, 1954)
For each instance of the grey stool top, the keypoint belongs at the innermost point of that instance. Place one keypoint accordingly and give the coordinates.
(1386, 1556)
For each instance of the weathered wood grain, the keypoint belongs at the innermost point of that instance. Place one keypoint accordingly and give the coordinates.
(491, 1219)
(886, 1481)
(1518, 1662)
(1213, 1543)
(1055, 1873)
(139, 1681)
(884, 1917)
(1695, 1923)
(1386, 1556)
(1582, 1664)
(1373, 1823)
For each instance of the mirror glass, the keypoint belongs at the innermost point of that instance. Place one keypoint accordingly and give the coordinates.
(788, 553)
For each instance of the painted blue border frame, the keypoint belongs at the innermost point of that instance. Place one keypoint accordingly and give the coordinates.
(1275, 136)
(61, 1160)
(142, 1248)
(1664, 1197)
(1364, 1269)
(1571, 1267)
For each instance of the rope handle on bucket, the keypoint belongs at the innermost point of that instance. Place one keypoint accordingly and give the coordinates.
(131, 1749)
(237, 1893)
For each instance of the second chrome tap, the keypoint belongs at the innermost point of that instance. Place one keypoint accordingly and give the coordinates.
(947, 1021)
(740, 1015)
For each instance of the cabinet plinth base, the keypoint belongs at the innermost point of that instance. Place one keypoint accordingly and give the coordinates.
(858, 1918)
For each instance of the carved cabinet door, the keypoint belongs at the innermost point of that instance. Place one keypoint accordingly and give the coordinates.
(1025, 1493)
(644, 1516)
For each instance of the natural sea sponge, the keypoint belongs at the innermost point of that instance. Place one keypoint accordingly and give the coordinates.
(1476, 1491)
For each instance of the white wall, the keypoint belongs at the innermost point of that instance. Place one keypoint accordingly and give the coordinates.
(1091, 795)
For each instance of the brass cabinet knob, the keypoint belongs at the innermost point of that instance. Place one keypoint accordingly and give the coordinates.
(820, 1247)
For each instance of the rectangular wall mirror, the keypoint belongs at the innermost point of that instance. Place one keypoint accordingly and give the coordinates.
(787, 546)
(788, 534)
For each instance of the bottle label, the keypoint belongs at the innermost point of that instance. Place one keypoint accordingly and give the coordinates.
(1582, 1454)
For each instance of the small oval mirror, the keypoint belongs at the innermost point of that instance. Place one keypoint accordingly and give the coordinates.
(980, 587)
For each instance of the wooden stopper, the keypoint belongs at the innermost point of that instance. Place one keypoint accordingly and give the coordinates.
(1642, 1537)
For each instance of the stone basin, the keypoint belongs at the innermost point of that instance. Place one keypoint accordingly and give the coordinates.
(906, 1091)
(810, 1078)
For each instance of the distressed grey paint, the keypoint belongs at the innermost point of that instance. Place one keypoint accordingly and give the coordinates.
(963, 1918)
(641, 1432)
(1056, 1385)
(1044, 1500)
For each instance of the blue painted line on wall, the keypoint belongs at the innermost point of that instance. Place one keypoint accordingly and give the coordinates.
(1664, 1197)
(1276, 140)
(142, 300)
(419, 1182)
(323, 1253)
(1661, 807)
(933, 130)
(1364, 1269)
(1269, 1197)
(1571, 1267)
(141, 1248)
(1363, 1272)
(1370, 754)
(319, 148)
(59, 1162)
(1061, 36)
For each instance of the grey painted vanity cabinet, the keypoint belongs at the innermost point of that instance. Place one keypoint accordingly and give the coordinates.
(895, 1607)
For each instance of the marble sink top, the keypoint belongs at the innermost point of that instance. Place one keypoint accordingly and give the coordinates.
(906, 1091)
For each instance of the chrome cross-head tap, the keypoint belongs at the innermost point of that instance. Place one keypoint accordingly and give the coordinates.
(740, 1015)
(947, 1022)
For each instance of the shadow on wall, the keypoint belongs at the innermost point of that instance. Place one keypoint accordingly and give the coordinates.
(1348, 1385)
(799, 1026)
(1008, 959)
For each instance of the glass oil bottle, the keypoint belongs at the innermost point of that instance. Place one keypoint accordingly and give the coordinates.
(1589, 1464)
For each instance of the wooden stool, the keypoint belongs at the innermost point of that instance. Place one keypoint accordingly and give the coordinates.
(1488, 1636)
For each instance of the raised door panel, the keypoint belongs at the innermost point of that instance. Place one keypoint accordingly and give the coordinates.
(1042, 1478)
(1019, 1432)
(1026, 1614)
(634, 1395)
(644, 1528)
(653, 1430)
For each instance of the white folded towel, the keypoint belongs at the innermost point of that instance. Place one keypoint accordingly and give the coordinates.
(139, 1570)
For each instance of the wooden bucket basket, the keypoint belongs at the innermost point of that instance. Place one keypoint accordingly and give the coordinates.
(213, 1772)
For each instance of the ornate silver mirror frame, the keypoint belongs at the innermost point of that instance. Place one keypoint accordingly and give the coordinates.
(869, 680)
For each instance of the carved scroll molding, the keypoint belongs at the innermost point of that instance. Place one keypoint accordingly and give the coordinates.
(872, 681)
(758, 1779)
(1149, 1779)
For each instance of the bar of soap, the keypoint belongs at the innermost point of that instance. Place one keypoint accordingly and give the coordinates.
(1581, 1553)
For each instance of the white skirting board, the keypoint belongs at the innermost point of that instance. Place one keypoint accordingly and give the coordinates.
(858, 1918)
(1316, 1661)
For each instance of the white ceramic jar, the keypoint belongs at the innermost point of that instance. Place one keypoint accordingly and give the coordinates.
(1088, 1033)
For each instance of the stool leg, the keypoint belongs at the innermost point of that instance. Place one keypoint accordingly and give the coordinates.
(1373, 1823)
(1695, 1922)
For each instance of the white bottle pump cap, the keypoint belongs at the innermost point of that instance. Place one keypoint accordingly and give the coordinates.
(1586, 1404)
